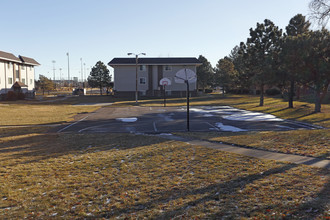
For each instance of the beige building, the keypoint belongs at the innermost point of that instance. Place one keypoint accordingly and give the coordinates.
(150, 72)
(16, 73)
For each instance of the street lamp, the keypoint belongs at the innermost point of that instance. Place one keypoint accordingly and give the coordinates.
(68, 68)
(136, 73)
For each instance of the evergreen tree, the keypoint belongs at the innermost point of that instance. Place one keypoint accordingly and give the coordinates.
(204, 73)
(258, 52)
(99, 76)
(316, 55)
(225, 74)
(291, 52)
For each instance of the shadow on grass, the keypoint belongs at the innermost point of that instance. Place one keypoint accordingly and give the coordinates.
(224, 194)
(38, 147)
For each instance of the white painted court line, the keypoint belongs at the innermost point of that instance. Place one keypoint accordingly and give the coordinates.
(72, 124)
(216, 128)
(155, 128)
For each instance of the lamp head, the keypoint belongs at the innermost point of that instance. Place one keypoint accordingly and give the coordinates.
(129, 54)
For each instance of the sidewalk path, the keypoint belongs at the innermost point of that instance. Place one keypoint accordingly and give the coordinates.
(261, 154)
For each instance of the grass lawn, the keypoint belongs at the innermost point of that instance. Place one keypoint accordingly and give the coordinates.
(315, 143)
(130, 176)
(47, 175)
(36, 113)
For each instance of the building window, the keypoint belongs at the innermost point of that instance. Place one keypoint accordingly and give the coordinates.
(23, 67)
(31, 81)
(10, 80)
(30, 67)
(167, 68)
(142, 67)
(23, 81)
(143, 80)
(17, 74)
(9, 65)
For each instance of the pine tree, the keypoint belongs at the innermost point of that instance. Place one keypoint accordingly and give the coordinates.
(99, 76)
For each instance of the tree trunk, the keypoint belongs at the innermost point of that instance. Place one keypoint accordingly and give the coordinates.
(317, 101)
(261, 95)
(223, 91)
(291, 94)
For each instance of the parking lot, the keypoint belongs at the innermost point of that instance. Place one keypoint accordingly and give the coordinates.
(174, 119)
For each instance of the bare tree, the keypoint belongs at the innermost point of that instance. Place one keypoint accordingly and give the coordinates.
(320, 11)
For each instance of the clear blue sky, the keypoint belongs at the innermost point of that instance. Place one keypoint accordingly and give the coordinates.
(103, 29)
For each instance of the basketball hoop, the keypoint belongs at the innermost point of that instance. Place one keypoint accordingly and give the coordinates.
(165, 82)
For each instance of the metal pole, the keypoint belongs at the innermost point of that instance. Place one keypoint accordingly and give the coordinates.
(54, 68)
(187, 105)
(136, 79)
(164, 96)
(68, 69)
(82, 73)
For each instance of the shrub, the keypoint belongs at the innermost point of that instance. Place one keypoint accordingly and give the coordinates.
(20, 96)
(11, 96)
(273, 91)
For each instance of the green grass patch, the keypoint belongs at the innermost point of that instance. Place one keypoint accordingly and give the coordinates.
(130, 176)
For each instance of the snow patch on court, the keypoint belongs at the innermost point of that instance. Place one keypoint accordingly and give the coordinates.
(127, 119)
(235, 114)
(251, 116)
(228, 128)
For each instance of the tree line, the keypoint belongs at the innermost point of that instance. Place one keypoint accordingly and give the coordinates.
(271, 57)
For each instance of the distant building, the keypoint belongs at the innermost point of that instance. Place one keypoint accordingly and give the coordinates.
(150, 72)
(16, 73)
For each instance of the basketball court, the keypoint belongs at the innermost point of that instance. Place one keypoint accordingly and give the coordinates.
(174, 119)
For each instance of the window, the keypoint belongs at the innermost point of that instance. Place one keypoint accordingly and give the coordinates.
(31, 81)
(23, 67)
(10, 80)
(142, 67)
(9, 65)
(23, 81)
(167, 68)
(143, 80)
(30, 67)
(17, 74)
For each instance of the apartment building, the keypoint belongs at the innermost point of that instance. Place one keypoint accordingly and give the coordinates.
(16, 73)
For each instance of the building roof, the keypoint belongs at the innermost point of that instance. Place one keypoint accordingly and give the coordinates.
(8, 57)
(29, 61)
(156, 61)
(19, 84)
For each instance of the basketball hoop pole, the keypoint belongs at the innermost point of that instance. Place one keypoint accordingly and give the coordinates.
(187, 83)
(164, 96)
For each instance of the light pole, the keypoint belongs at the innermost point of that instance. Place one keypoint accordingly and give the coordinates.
(54, 68)
(68, 69)
(136, 73)
(82, 76)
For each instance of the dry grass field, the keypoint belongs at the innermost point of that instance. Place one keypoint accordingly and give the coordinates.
(125, 176)
(131, 176)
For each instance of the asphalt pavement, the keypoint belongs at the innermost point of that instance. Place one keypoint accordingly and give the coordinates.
(174, 119)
